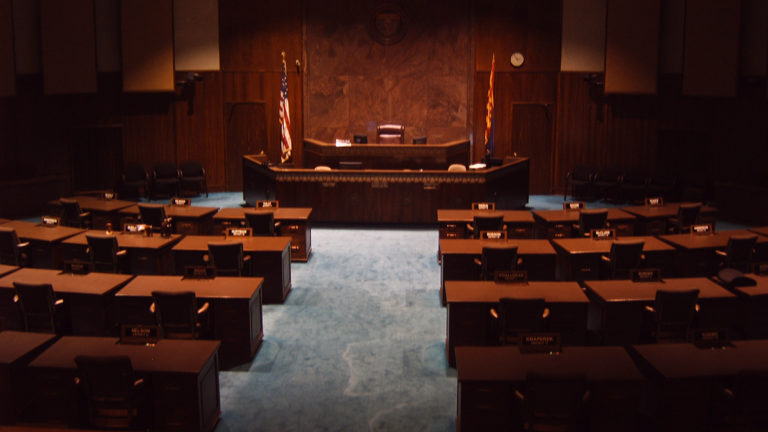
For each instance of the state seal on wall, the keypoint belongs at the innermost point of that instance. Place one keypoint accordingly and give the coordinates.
(388, 24)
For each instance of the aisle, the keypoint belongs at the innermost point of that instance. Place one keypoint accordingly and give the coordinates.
(358, 345)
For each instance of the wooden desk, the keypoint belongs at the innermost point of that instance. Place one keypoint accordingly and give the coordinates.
(387, 156)
(102, 211)
(453, 222)
(695, 254)
(655, 220)
(5, 269)
(191, 220)
(580, 258)
(294, 223)
(488, 376)
(620, 316)
(686, 378)
(182, 377)
(88, 299)
(146, 255)
(539, 259)
(385, 196)
(270, 259)
(3, 220)
(470, 323)
(763, 231)
(17, 350)
(559, 223)
(753, 312)
(235, 309)
(43, 241)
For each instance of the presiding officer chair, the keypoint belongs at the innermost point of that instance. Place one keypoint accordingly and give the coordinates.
(178, 315)
(112, 391)
(39, 307)
(104, 253)
(12, 250)
(390, 134)
(262, 222)
(228, 259)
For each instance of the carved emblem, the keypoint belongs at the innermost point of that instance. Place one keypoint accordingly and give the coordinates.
(388, 24)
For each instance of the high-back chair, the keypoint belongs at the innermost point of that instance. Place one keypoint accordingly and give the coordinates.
(590, 219)
(152, 214)
(738, 252)
(12, 250)
(228, 259)
(673, 313)
(72, 215)
(262, 222)
(390, 134)
(38, 306)
(515, 316)
(687, 215)
(135, 180)
(178, 315)
(112, 391)
(554, 402)
(485, 223)
(104, 253)
(165, 180)
(192, 177)
(624, 256)
(497, 258)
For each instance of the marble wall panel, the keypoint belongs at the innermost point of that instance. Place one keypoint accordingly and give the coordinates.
(354, 82)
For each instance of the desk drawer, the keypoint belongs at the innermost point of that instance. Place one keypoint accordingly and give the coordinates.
(519, 231)
(292, 228)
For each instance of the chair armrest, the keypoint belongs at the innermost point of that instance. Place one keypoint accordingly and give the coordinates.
(545, 314)
(493, 313)
(122, 252)
(59, 302)
(246, 258)
(470, 228)
(605, 258)
(650, 309)
(519, 395)
(22, 245)
(721, 253)
(152, 307)
(139, 382)
(85, 214)
(477, 261)
(277, 224)
(203, 309)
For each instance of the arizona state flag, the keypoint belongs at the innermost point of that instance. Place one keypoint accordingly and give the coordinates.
(489, 114)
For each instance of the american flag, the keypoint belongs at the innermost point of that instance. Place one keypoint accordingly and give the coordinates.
(285, 119)
(489, 114)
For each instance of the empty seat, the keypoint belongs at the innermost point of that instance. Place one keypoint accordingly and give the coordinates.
(72, 215)
(39, 308)
(590, 219)
(579, 182)
(687, 215)
(390, 133)
(497, 258)
(261, 222)
(152, 214)
(672, 315)
(738, 252)
(104, 253)
(134, 181)
(229, 259)
(192, 178)
(554, 402)
(12, 250)
(607, 183)
(633, 187)
(112, 392)
(165, 180)
(514, 317)
(178, 315)
(623, 257)
(482, 223)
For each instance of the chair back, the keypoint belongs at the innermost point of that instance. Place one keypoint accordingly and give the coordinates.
(9, 247)
(625, 256)
(457, 167)
(176, 314)
(739, 251)
(102, 251)
(555, 402)
(590, 219)
(226, 257)
(487, 223)
(497, 258)
(262, 222)
(108, 384)
(674, 314)
(390, 134)
(687, 215)
(152, 214)
(134, 172)
(37, 306)
(165, 170)
(70, 212)
(191, 169)
(360, 139)
(518, 316)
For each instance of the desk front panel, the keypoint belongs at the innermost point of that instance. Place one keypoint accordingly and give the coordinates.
(621, 317)
(695, 254)
(182, 377)
(294, 223)
(488, 377)
(270, 259)
(235, 316)
(43, 249)
(88, 299)
(387, 156)
(188, 220)
(581, 258)
(452, 223)
(385, 196)
(18, 349)
(655, 220)
(559, 223)
(458, 259)
(469, 304)
(146, 255)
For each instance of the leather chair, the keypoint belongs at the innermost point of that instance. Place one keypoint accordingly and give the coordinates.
(672, 315)
(152, 214)
(687, 215)
(262, 222)
(590, 219)
(12, 250)
(607, 183)
(104, 254)
(552, 402)
(516, 316)
(135, 181)
(228, 259)
(579, 181)
(178, 315)
(390, 134)
(485, 223)
(39, 308)
(738, 252)
(497, 258)
(72, 215)
(192, 177)
(113, 393)
(165, 180)
(623, 257)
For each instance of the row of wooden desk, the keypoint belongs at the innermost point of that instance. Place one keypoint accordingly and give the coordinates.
(548, 224)
(196, 220)
(53, 246)
(96, 304)
(37, 372)
(663, 387)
